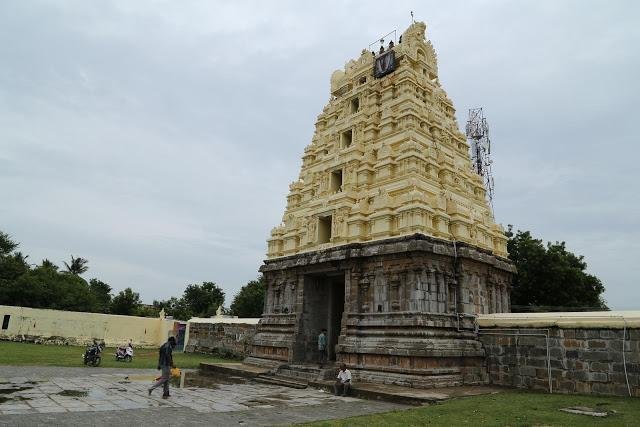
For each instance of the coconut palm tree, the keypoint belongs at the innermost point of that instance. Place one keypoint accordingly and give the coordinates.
(77, 266)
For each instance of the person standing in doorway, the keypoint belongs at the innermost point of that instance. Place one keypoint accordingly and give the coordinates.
(343, 381)
(322, 347)
(165, 363)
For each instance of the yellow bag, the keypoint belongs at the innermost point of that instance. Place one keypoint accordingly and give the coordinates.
(175, 372)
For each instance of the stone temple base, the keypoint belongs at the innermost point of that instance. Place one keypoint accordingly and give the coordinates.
(397, 311)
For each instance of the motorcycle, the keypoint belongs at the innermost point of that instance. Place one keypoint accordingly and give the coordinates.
(124, 354)
(93, 354)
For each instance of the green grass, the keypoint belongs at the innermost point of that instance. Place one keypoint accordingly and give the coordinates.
(510, 408)
(27, 354)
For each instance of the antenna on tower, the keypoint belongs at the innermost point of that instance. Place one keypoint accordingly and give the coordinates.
(478, 137)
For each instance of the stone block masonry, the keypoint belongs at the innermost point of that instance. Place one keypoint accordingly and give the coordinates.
(399, 311)
(577, 357)
(226, 336)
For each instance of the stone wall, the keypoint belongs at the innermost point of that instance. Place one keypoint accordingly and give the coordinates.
(225, 339)
(578, 360)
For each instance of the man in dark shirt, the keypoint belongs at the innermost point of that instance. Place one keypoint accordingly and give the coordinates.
(165, 363)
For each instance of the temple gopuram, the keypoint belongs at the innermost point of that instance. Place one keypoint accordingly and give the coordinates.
(387, 241)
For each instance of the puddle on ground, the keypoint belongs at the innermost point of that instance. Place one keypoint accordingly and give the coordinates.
(13, 389)
(189, 379)
(13, 399)
(73, 393)
(211, 380)
(186, 380)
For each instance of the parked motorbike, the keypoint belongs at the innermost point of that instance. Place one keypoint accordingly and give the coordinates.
(124, 354)
(93, 354)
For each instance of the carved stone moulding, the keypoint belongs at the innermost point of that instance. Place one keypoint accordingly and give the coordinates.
(396, 311)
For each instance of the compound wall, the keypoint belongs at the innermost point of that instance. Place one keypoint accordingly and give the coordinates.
(78, 328)
(588, 353)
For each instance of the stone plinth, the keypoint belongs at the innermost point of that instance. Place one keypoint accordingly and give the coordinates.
(396, 311)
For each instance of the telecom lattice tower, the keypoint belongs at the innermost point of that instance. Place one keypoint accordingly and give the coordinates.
(477, 131)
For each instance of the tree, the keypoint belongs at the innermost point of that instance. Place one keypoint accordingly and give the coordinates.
(48, 264)
(102, 294)
(6, 244)
(249, 301)
(203, 300)
(12, 266)
(126, 302)
(78, 266)
(550, 278)
(145, 310)
(44, 287)
(174, 307)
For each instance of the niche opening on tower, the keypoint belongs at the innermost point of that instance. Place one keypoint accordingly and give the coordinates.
(324, 229)
(346, 138)
(335, 181)
(355, 105)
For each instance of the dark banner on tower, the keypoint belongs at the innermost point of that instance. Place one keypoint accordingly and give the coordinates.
(385, 64)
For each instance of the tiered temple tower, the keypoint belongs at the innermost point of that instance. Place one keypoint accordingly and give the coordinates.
(387, 240)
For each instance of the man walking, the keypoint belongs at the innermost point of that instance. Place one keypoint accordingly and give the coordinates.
(165, 363)
(343, 382)
(322, 347)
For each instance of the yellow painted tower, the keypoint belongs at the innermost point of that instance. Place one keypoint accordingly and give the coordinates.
(387, 159)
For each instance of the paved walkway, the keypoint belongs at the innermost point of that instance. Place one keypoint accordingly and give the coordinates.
(104, 396)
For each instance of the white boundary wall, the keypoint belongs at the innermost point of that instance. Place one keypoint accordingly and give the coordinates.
(72, 327)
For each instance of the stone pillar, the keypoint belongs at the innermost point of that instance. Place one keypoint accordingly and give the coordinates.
(294, 294)
(364, 298)
(395, 292)
(467, 306)
(491, 298)
(452, 293)
(417, 297)
(352, 291)
(442, 293)
(433, 291)
(424, 290)
(298, 305)
(506, 304)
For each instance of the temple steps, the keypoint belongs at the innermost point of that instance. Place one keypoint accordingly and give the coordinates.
(297, 376)
(281, 381)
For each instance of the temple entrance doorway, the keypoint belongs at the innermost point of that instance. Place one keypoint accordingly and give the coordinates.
(323, 309)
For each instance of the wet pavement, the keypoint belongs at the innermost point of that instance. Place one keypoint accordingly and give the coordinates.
(60, 396)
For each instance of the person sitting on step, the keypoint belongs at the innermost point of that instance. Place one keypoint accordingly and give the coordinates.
(343, 381)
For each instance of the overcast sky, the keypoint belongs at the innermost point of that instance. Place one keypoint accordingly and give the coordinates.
(158, 138)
